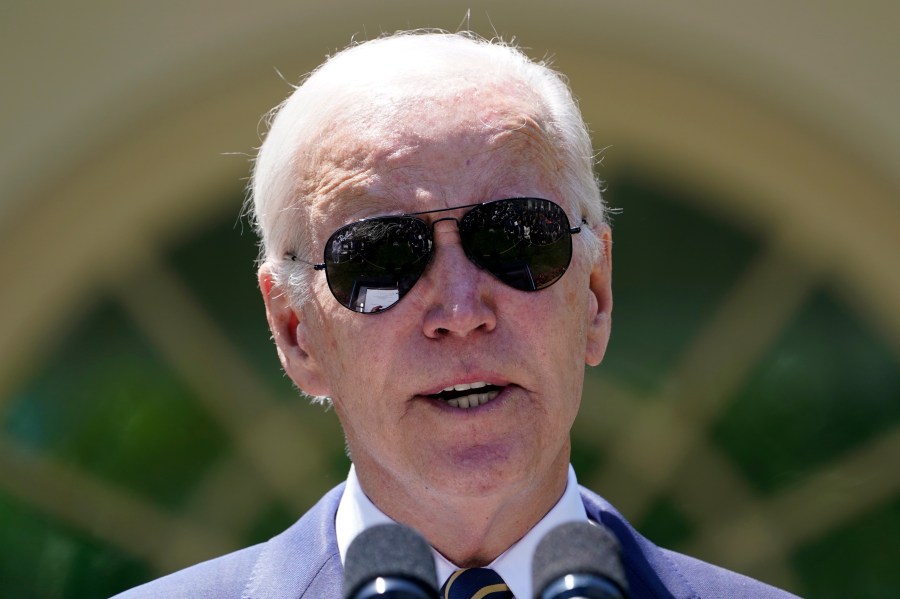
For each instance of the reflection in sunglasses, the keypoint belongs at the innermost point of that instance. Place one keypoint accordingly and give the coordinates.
(524, 242)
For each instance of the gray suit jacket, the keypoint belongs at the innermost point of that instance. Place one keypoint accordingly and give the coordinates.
(303, 562)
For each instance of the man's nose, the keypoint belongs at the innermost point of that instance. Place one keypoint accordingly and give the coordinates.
(459, 298)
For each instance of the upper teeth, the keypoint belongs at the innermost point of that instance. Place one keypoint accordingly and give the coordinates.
(473, 398)
(466, 386)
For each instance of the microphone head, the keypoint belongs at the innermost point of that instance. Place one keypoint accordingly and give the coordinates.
(579, 548)
(389, 551)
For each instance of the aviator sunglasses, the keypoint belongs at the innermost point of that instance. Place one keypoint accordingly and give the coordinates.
(372, 263)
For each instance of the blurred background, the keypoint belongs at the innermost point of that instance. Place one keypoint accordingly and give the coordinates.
(748, 411)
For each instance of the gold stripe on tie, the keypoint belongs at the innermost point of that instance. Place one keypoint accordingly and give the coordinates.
(449, 583)
(475, 583)
(496, 588)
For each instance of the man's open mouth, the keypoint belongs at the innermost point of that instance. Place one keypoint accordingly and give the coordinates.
(468, 395)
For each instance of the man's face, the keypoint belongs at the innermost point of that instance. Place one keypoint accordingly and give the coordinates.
(458, 325)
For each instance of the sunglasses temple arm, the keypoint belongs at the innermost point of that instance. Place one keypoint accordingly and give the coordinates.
(316, 266)
(577, 229)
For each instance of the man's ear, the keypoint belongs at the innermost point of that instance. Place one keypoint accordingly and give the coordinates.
(601, 300)
(290, 333)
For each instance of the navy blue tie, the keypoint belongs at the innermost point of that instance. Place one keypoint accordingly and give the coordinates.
(475, 583)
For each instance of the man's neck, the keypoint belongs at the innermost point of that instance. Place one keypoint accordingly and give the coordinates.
(356, 513)
(468, 531)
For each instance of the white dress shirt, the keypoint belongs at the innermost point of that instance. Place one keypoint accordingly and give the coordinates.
(356, 512)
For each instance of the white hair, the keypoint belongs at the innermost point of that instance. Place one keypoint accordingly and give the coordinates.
(343, 84)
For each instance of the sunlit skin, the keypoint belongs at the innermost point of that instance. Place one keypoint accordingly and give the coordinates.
(471, 481)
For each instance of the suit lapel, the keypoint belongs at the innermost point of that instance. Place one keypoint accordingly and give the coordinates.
(650, 573)
(303, 561)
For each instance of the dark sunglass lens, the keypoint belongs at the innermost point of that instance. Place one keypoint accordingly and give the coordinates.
(524, 242)
(373, 263)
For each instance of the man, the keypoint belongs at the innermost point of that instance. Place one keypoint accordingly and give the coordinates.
(445, 186)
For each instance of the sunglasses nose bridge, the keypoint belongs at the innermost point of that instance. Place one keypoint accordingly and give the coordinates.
(442, 219)
(446, 232)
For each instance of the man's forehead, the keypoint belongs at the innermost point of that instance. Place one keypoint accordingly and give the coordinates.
(427, 176)
(417, 135)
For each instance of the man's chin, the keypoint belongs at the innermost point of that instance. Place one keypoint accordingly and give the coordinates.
(481, 470)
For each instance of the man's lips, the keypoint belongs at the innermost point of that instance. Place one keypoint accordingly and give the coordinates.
(467, 395)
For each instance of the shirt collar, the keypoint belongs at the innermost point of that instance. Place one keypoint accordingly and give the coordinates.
(356, 512)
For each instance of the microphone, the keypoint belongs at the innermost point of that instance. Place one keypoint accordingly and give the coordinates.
(579, 560)
(389, 561)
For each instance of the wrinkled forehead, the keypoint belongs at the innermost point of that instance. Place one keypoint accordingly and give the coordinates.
(404, 140)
